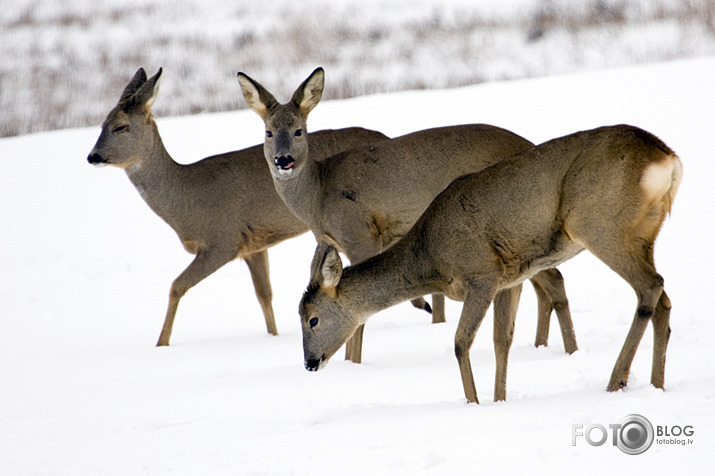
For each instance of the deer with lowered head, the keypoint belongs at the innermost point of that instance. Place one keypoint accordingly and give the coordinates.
(366, 198)
(607, 190)
(222, 207)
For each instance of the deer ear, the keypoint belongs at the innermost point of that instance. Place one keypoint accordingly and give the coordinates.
(154, 81)
(257, 97)
(308, 94)
(135, 83)
(144, 96)
(326, 268)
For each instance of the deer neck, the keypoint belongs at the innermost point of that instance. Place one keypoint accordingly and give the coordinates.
(386, 279)
(155, 176)
(302, 193)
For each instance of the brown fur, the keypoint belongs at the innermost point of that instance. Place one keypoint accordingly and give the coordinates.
(488, 231)
(365, 199)
(222, 207)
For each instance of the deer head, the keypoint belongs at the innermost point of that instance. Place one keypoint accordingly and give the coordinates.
(128, 129)
(286, 143)
(324, 331)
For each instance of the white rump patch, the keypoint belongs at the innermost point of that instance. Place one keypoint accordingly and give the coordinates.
(658, 178)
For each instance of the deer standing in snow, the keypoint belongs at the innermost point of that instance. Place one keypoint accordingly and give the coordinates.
(366, 198)
(222, 207)
(607, 190)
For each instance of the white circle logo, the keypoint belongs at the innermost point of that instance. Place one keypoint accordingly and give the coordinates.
(635, 435)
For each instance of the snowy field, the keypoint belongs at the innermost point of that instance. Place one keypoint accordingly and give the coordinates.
(86, 269)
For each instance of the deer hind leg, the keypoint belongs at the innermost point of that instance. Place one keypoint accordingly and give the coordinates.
(506, 303)
(551, 294)
(661, 334)
(631, 257)
(260, 274)
(646, 309)
(476, 303)
(648, 285)
(205, 263)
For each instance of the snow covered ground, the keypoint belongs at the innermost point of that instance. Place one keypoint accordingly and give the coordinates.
(86, 269)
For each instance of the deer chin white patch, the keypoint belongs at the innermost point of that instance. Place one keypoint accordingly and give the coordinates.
(284, 174)
(283, 171)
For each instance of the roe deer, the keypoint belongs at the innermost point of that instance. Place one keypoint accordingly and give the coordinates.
(364, 199)
(606, 190)
(222, 207)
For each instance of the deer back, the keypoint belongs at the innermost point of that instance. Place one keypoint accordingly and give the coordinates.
(546, 204)
(373, 194)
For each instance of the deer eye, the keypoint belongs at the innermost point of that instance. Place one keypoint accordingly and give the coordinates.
(298, 132)
(313, 322)
(269, 134)
(122, 128)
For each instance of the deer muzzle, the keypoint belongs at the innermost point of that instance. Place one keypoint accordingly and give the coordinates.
(313, 365)
(96, 159)
(284, 162)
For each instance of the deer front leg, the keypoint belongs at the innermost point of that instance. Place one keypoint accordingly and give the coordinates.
(438, 314)
(260, 274)
(543, 315)
(205, 263)
(476, 303)
(353, 348)
(436, 309)
(506, 303)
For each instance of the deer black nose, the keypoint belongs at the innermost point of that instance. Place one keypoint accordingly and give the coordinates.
(312, 364)
(94, 158)
(284, 162)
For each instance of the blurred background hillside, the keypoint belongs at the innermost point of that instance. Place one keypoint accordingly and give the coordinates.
(64, 62)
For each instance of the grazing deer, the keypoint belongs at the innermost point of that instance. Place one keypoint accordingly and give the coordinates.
(364, 199)
(606, 190)
(222, 207)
